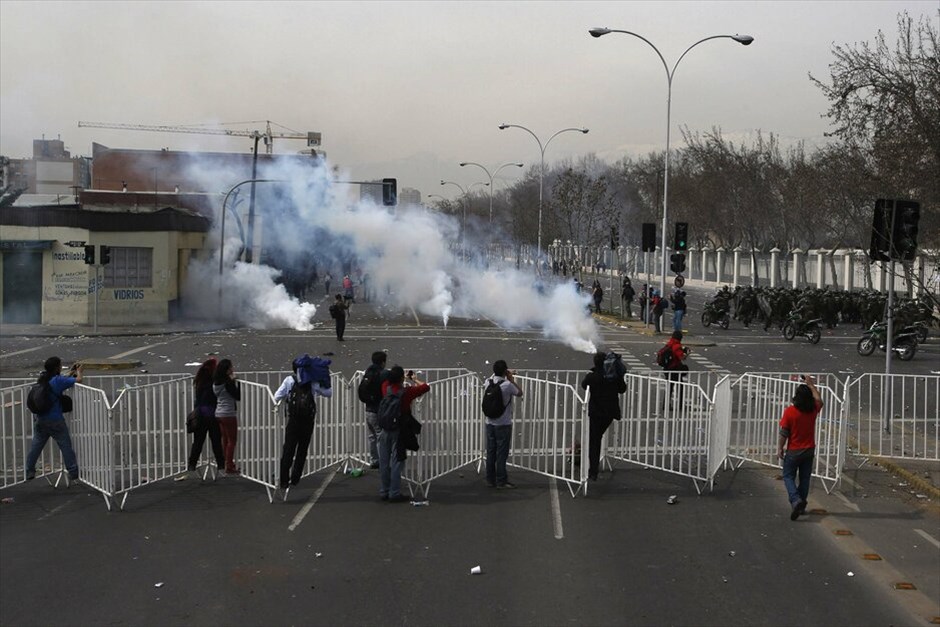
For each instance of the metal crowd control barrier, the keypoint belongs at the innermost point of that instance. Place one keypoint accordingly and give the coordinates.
(16, 437)
(260, 436)
(549, 422)
(93, 439)
(451, 430)
(895, 416)
(665, 425)
(757, 405)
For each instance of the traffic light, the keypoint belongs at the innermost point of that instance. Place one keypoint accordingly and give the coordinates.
(677, 264)
(90, 254)
(105, 255)
(906, 217)
(682, 236)
(649, 237)
(389, 192)
(881, 230)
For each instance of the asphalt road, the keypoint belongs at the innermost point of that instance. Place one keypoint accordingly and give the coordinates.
(194, 552)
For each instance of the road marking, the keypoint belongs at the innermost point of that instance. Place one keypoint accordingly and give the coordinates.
(556, 510)
(137, 350)
(929, 538)
(852, 506)
(53, 511)
(25, 350)
(311, 501)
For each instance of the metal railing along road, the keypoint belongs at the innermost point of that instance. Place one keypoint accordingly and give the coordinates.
(16, 437)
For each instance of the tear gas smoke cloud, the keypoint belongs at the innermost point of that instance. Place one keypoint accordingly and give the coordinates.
(306, 224)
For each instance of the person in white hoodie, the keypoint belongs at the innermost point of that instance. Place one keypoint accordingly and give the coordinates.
(228, 393)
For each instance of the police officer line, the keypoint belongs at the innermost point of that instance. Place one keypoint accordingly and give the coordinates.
(689, 428)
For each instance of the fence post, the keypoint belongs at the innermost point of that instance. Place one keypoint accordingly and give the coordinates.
(719, 262)
(797, 267)
(774, 266)
(736, 273)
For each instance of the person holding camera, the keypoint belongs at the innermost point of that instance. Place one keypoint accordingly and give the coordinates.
(227, 393)
(391, 457)
(676, 368)
(499, 429)
(50, 422)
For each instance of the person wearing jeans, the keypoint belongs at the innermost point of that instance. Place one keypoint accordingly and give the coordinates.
(205, 402)
(499, 430)
(390, 461)
(796, 444)
(228, 393)
(51, 424)
(678, 306)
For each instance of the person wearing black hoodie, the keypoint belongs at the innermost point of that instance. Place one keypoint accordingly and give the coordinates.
(603, 407)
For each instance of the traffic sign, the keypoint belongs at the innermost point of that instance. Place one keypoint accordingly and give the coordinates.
(74, 244)
(680, 281)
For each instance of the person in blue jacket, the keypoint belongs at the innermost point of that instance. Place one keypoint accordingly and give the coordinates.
(51, 424)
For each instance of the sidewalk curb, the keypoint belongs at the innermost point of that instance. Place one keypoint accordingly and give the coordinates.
(914, 480)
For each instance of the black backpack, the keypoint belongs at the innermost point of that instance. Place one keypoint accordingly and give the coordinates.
(300, 402)
(389, 414)
(613, 367)
(370, 388)
(40, 398)
(664, 357)
(492, 405)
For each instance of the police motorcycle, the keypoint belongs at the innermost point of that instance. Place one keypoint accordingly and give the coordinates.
(795, 325)
(716, 311)
(904, 343)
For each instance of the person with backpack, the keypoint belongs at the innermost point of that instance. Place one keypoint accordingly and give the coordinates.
(498, 393)
(670, 358)
(660, 303)
(678, 310)
(606, 383)
(311, 378)
(338, 313)
(394, 409)
(227, 393)
(798, 435)
(204, 402)
(370, 394)
(626, 295)
(45, 403)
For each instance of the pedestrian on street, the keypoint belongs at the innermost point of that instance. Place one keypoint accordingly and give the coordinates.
(603, 406)
(311, 378)
(338, 313)
(349, 295)
(499, 430)
(659, 306)
(391, 462)
(228, 393)
(678, 309)
(796, 444)
(204, 402)
(51, 422)
(327, 279)
(643, 302)
(370, 393)
(598, 294)
(626, 295)
(675, 367)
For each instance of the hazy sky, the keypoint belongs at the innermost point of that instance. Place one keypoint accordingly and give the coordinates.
(410, 89)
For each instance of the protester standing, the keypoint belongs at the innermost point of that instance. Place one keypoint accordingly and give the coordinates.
(51, 422)
(327, 279)
(228, 393)
(603, 406)
(626, 295)
(499, 430)
(370, 393)
(674, 365)
(311, 378)
(391, 461)
(204, 402)
(338, 313)
(678, 309)
(796, 444)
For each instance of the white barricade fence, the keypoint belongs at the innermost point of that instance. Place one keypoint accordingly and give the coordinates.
(357, 438)
(150, 439)
(665, 425)
(16, 438)
(91, 428)
(895, 416)
(719, 435)
(549, 425)
(260, 437)
(452, 430)
(330, 442)
(757, 405)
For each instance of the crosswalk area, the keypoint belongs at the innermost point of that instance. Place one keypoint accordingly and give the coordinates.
(645, 363)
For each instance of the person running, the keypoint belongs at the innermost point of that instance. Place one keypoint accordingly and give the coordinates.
(50, 423)
(311, 378)
(338, 313)
(796, 444)
(204, 402)
(603, 407)
(228, 393)
(391, 462)
(499, 430)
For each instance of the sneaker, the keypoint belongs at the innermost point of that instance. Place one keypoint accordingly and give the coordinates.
(802, 506)
(506, 486)
(73, 477)
(282, 487)
(31, 475)
(400, 498)
(796, 512)
(234, 472)
(294, 482)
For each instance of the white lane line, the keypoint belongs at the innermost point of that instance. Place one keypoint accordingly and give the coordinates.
(556, 510)
(136, 350)
(53, 511)
(311, 501)
(852, 506)
(929, 538)
(25, 350)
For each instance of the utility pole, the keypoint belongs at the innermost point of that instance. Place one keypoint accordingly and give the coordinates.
(251, 202)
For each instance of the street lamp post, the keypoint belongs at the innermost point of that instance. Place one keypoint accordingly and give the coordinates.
(542, 148)
(744, 40)
(491, 176)
(463, 192)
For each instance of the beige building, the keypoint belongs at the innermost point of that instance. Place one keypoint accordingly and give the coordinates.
(46, 279)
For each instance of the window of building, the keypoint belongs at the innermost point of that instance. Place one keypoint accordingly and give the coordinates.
(129, 267)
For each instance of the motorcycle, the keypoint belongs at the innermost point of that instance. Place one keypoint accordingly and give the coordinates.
(904, 344)
(712, 314)
(795, 325)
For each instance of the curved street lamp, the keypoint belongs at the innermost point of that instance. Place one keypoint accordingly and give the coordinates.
(493, 175)
(744, 40)
(463, 193)
(542, 148)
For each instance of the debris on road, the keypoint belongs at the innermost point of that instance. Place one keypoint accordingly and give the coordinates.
(672, 500)
(476, 570)
(7, 501)
(850, 574)
(158, 585)
(731, 554)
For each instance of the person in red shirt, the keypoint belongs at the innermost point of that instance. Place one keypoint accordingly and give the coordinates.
(798, 438)
(390, 465)
(676, 368)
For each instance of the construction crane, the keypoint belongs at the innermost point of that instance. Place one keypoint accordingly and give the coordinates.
(268, 135)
